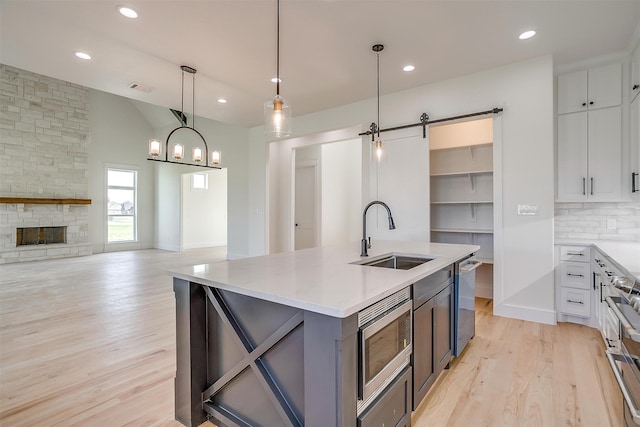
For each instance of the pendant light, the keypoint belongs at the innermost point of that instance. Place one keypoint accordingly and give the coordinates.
(277, 112)
(155, 145)
(377, 48)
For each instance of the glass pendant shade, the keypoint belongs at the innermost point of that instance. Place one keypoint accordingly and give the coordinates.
(154, 147)
(277, 117)
(197, 154)
(216, 157)
(379, 149)
(178, 151)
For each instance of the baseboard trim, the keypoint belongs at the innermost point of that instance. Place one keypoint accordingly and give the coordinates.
(231, 256)
(164, 247)
(484, 290)
(525, 313)
(204, 245)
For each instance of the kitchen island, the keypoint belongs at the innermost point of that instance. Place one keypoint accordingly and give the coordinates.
(272, 340)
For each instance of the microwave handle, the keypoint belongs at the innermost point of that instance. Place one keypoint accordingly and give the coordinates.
(623, 388)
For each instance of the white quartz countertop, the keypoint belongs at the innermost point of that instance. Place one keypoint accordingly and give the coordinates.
(626, 254)
(324, 280)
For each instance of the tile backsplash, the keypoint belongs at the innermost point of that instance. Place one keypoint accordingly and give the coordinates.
(599, 221)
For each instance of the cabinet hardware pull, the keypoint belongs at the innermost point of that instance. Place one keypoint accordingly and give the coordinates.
(584, 104)
(592, 186)
(575, 253)
(575, 302)
(574, 275)
(634, 187)
(635, 87)
(597, 260)
(584, 183)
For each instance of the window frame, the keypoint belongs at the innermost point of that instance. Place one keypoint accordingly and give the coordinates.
(134, 215)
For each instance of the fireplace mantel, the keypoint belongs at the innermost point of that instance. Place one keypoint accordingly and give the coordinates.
(42, 201)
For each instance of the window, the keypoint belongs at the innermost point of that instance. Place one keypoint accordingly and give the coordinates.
(121, 205)
(199, 181)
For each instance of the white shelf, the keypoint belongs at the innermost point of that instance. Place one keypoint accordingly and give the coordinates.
(463, 173)
(461, 230)
(464, 202)
(463, 147)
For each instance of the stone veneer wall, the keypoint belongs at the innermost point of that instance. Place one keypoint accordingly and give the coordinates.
(43, 154)
(589, 221)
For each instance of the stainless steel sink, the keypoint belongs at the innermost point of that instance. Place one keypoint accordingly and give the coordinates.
(398, 262)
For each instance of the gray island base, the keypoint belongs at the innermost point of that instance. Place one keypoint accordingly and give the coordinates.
(274, 340)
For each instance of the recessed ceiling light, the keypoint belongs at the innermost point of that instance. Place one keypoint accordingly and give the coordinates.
(527, 35)
(83, 55)
(408, 68)
(222, 100)
(128, 12)
(275, 80)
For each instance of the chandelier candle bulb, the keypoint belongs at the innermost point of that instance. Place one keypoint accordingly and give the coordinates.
(178, 151)
(197, 154)
(216, 157)
(154, 147)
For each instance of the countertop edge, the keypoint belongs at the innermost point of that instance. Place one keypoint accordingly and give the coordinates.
(461, 252)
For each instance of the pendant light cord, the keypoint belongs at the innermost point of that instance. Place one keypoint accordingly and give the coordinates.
(278, 50)
(182, 101)
(193, 100)
(378, 70)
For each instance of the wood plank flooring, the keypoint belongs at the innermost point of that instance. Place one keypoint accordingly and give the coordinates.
(90, 341)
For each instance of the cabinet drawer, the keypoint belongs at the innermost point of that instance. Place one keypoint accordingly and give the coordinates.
(392, 407)
(575, 302)
(575, 274)
(575, 253)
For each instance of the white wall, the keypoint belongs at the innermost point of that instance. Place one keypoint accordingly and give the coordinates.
(524, 284)
(204, 211)
(118, 138)
(233, 142)
(279, 172)
(341, 191)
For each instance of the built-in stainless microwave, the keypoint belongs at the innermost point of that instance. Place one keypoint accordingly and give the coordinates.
(384, 341)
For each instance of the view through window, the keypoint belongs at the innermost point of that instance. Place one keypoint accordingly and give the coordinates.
(121, 205)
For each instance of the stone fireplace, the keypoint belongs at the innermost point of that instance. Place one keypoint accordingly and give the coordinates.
(43, 167)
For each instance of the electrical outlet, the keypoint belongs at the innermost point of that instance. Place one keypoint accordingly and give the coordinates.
(611, 224)
(527, 210)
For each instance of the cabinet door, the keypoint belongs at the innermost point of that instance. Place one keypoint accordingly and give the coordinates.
(634, 145)
(605, 154)
(392, 407)
(572, 157)
(605, 86)
(442, 336)
(424, 374)
(572, 92)
(635, 74)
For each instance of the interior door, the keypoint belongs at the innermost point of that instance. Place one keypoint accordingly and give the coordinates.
(305, 207)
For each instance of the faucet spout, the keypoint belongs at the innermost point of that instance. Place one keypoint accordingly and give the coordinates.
(364, 245)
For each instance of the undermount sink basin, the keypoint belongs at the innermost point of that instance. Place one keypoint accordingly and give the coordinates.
(397, 262)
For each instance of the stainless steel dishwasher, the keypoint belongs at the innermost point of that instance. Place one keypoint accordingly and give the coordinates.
(464, 308)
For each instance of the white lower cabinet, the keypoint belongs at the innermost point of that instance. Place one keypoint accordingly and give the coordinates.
(575, 291)
(575, 302)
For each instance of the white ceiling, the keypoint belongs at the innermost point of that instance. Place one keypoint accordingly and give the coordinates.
(326, 57)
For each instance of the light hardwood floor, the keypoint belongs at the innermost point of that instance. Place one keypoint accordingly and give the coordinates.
(90, 341)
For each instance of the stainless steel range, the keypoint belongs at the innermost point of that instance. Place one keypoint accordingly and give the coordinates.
(624, 302)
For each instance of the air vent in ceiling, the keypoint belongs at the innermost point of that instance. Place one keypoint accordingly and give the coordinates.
(140, 87)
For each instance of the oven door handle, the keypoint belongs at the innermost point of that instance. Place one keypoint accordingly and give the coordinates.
(633, 333)
(611, 357)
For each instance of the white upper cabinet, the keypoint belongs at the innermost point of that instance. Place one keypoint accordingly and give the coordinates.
(635, 74)
(634, 139)
(572, 157)
(597, 87)
(605, 154)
